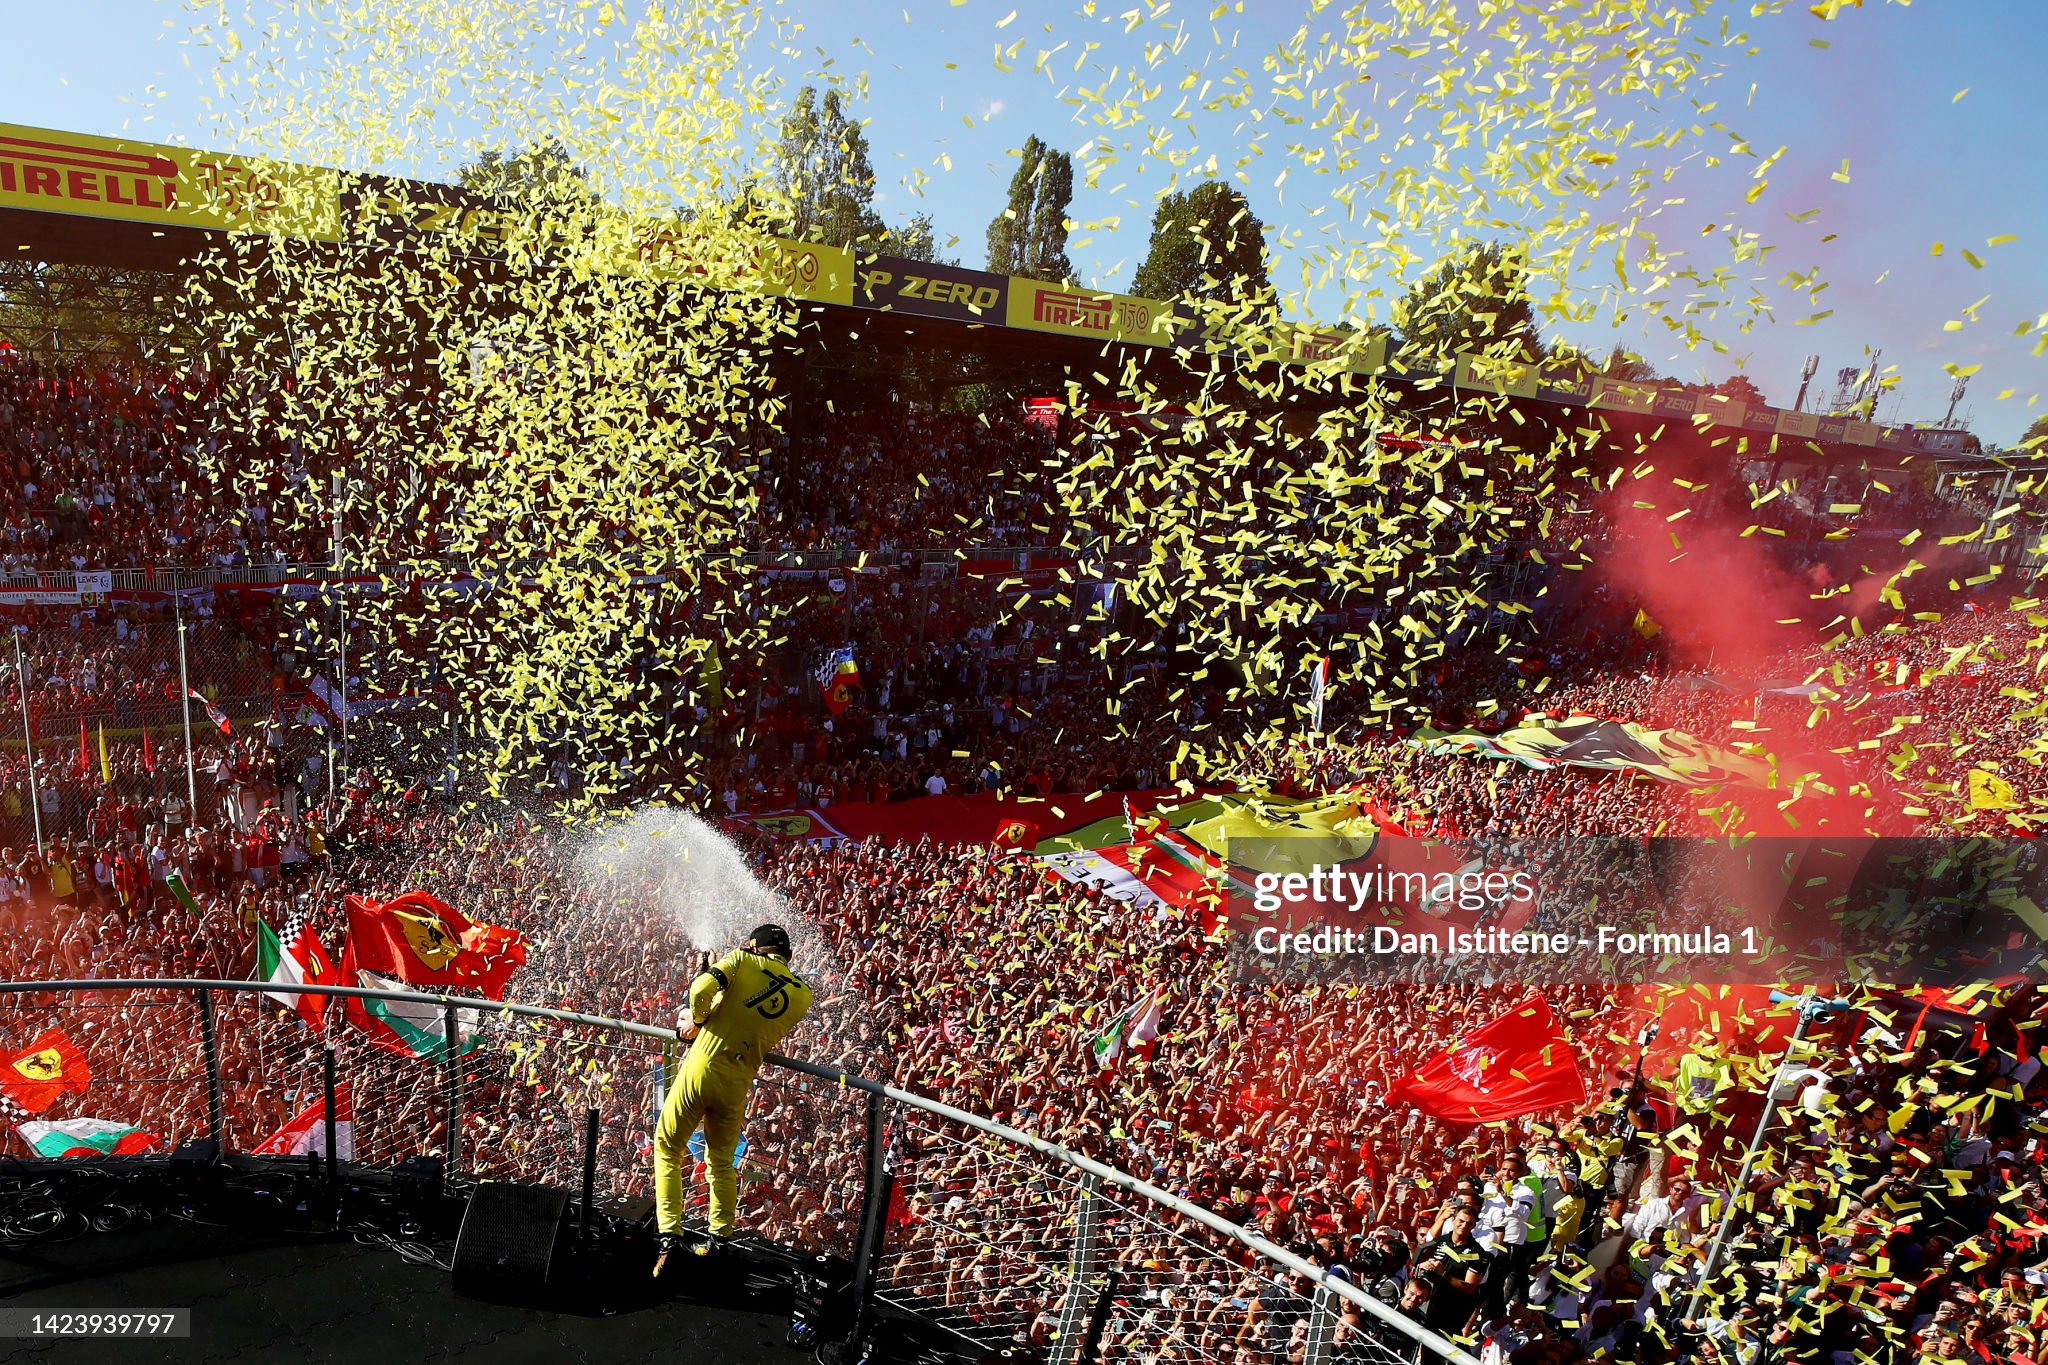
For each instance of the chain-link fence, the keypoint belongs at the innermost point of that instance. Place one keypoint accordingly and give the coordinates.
(980, 1233)
(1018, 1247)
(103, 710)
(1014, 1249)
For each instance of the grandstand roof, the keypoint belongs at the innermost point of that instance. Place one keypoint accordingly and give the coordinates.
(77, 198)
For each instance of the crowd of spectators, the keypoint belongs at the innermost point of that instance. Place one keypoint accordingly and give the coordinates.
(104, 469)
(1899, 1210)
(886, 479)
(1897, 1215)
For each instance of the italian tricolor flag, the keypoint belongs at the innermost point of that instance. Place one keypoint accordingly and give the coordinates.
(1136, 1027)
(295, 958)
(413, 1028)
(308, 1132)
(85, 1137)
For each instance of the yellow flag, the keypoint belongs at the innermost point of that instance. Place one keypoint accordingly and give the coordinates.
(1270, 836)
(1989, 791)
(106, 768)
(1646, 625)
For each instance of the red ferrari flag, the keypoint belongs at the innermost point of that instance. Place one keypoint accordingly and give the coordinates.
(1521, 1063)
(35, 1076)
(1014, 832)
(426, 942)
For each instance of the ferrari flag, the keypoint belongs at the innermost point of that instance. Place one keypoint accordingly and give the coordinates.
(34, 1077)
(292, 958)
(423, 941)
(1521, 1063)
(837, 677)
(1589, 742)
(1014, 832)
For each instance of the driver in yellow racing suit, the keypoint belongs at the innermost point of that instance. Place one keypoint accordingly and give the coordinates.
(739, 1009)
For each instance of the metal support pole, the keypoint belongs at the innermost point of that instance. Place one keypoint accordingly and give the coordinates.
(1098, 1319)
(28, 747)
(209, 1038)
(1322, 1327)
(327, 1115)
(874, 1214)
(1068, 1347)
(1807, 1010)
(453, 1057)
(589, 1174)
(185, 702)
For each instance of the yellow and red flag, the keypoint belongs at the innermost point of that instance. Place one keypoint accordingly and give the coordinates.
(837, 677)
(424, 941)
(1013, 831)
(36, 1076)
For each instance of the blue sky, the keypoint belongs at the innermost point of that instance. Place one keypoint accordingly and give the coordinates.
(1925, 167)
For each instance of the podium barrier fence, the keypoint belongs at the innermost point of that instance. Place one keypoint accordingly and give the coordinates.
(1016, 1244)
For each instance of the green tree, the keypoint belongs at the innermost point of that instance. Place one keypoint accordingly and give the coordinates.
(1628, 367)
(917, 240)
(1029, 237)
(540, 173)
(1207, 245)
(2035, 441)
(1740, 388)
(824, 175)
(1476, 301)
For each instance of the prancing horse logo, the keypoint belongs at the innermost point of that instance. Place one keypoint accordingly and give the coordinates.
(428, 938)
(1471, 1065)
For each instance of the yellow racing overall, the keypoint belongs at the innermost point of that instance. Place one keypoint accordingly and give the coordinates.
(743, 1006)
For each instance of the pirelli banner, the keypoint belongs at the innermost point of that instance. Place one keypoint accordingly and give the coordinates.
(893, 284)
(162, 187)
(1088, 314)
(176, 187)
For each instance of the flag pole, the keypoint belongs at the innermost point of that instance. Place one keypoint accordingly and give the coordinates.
(1812, 1008)
(185, 703)
(340, 556)
(28, 745)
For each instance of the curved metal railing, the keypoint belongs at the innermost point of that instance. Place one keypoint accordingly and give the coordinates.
(1012, 1241)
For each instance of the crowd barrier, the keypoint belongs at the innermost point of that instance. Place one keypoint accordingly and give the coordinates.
(1016, 1244)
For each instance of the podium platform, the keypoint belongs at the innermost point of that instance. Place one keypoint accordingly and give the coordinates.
(258, 1298)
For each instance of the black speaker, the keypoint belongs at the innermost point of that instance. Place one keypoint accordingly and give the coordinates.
(510, 1244)
(196, 1152)
(821, 1309)
(418, 1178)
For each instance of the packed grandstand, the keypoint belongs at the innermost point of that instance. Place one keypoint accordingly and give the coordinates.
(981, 847)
